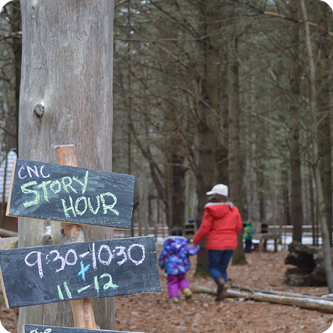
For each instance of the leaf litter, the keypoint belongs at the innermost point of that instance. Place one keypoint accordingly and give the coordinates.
(153, 312)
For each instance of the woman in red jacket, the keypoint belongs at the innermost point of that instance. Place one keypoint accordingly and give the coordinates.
(221, 223)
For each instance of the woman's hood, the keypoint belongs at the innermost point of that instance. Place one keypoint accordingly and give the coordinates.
(219, 209)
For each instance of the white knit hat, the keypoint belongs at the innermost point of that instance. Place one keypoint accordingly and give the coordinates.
(219, 189)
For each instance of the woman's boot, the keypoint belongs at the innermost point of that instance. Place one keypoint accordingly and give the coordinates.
(221, 289)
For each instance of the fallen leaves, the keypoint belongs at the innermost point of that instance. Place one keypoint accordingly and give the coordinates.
(154, 313)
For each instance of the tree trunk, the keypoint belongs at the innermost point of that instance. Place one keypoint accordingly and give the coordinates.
(285, 198)
(310, 267)
(168, 189)
(296, 184)
(222, 163)
(295, 159)
(67, 74)
(206, 132)
(251, 159)
(324, 128)
(316, 171)
(205, 181)
(235, 161)
(302, 302)
(312, 210)
(16, 24)
(222, 153)
(143, 196)
(324, 131)
(178, 192)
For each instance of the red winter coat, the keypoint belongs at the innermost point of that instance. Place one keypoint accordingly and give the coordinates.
(220, 223)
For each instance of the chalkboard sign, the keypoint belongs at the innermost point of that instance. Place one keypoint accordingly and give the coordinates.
(69, 194)
(47, 274)
(53, 329)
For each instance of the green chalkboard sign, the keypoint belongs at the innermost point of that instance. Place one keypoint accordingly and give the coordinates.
(69, 194)
(54, 329)
(47, 274)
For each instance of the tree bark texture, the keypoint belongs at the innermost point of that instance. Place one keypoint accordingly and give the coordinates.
(82, 309)
(315, 167)
(296, 183)
(295, 158)
(310, 265)
(206, 131)
(285, 198)
(314, 222)
(178, 189)
(16, 26)
(221, 152)
(324, 128)
(253, 202)
(325, 170)
(66, 98)
(302, 302)
(235, 161)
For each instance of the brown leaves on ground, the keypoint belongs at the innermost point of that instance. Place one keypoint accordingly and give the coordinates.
(8, 318)
(153, 312)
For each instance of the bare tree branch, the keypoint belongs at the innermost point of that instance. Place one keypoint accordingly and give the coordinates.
(7, 78)
(263, 12)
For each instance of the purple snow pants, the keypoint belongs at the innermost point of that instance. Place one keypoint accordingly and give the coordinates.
(176, 282)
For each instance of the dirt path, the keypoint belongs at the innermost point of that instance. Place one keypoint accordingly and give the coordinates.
(153, 313)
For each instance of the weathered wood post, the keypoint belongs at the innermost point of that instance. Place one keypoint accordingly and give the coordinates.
(66, 96)
(82, 309)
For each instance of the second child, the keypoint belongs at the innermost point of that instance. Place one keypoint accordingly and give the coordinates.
(174, 258)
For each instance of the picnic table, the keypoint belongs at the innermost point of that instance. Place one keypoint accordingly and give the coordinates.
(264, 237)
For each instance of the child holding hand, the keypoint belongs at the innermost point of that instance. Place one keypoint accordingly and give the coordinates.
(174, 258)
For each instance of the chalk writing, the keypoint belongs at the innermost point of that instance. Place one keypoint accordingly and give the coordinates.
(54, 273)
(107, 285)
(136, 262)
(49, 188)
(104, 256)
(70, 194)
(48, 330)
(38, 261)
(29, 170)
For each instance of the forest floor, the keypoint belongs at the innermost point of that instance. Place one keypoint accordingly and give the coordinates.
(154, 313)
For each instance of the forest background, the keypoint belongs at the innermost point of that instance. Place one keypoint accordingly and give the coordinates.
(206, 92)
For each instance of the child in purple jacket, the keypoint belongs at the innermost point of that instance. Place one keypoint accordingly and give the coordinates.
(174, 258)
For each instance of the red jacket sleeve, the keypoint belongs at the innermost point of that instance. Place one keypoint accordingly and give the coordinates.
(205, 228)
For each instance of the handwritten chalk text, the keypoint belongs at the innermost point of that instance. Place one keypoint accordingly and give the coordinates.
(104, 256)
(41, 192)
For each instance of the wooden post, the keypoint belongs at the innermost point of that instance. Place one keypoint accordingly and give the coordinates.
(261, 248)
(2, 216)
(66, 97)
(82, 309)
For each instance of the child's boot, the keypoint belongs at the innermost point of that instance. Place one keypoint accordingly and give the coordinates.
(174, 300)
(188, 293)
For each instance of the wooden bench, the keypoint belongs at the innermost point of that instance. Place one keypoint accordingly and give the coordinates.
(265, 237)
